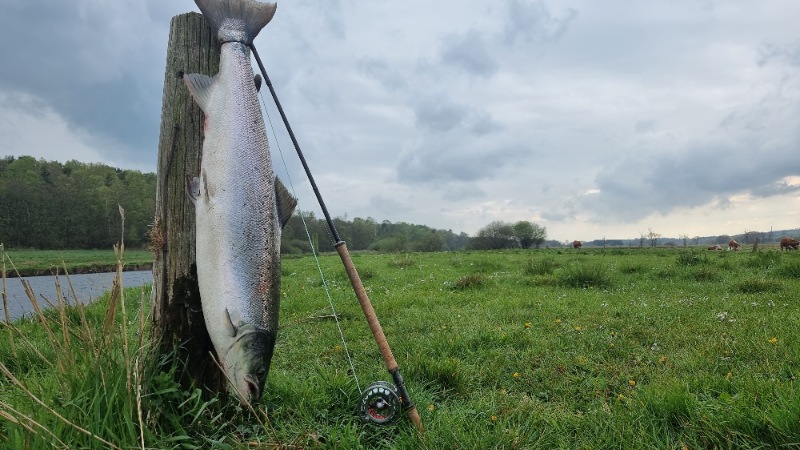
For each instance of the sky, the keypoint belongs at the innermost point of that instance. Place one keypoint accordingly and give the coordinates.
(593, 119)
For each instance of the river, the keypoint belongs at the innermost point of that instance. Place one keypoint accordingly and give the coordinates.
(88, 287)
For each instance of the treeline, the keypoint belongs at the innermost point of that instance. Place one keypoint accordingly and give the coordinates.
(367, 234)
(50, 205)
(74, 205)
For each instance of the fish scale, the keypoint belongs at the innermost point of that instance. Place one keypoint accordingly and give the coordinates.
(240, 206)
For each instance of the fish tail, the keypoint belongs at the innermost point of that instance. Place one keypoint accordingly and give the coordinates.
(236, 20)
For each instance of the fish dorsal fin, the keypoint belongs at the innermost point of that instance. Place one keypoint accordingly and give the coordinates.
(286, 203)
(227, 324)
(200, 86)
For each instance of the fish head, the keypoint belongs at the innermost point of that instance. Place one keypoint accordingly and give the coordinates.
(247, 364)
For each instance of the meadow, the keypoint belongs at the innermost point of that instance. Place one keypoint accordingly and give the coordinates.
(29, 262)
(618, 348)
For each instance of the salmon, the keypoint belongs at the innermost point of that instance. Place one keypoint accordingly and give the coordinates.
(240, 205)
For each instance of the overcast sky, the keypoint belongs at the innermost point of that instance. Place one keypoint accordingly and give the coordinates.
(594, 119)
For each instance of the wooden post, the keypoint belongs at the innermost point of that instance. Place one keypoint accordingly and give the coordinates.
(178, 325)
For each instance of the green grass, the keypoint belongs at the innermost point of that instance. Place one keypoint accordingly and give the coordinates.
(46, 262)
(630, 348)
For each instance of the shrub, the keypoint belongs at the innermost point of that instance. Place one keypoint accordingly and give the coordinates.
(469, 281)
(758, 286)
(691, 258)
(544, 266)
(585, 276)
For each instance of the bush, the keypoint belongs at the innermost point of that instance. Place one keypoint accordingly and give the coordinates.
(544, 266)
(585, 276)
(691, 258)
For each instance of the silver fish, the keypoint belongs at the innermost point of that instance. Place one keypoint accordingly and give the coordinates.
(240, 205)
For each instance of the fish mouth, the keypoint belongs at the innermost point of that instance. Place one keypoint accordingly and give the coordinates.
(253, 391)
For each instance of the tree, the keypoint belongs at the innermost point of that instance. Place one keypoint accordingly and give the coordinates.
(495, 235)
(653, 237)
(529, 234)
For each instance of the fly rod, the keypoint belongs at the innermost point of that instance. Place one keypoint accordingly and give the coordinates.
(376, 400)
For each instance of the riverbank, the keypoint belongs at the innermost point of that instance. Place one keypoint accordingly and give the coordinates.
(29, 263)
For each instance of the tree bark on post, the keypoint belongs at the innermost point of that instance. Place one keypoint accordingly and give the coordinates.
(178, 326)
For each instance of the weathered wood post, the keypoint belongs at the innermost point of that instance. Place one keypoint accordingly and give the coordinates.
(177, 316)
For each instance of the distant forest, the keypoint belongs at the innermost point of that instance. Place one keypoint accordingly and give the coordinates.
(74, 205)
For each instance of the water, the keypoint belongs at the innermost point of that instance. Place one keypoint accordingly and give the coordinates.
(88, 287)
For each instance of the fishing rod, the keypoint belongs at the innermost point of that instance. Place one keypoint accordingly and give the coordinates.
(381, 400)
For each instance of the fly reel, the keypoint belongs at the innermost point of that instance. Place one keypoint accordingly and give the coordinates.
(380, 403)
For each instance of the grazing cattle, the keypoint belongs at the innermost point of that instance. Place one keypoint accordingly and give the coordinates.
(715, 247)
(788, 243)
(733, 245)
(576, 244)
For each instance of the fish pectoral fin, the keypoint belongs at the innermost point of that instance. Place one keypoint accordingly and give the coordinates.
(285, 202)
(227, 324)
(200, 86)
(193, 188)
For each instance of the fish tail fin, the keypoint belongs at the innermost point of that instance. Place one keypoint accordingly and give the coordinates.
(236, 20)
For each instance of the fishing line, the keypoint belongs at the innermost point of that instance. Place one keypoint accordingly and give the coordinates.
(381, 402)
(313, 250)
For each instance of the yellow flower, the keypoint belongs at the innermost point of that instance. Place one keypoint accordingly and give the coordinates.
(632, 383)
(558, 320)
(431, 407)
(729, 376)
(338, 348)
(494, 418)
(611, 345)
(577, 328)
(663, 359)
(528, 324)
(621, 397)
(516, 374)
(773, 341)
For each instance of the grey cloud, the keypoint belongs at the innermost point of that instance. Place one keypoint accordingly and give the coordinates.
(387, 205)
(438, 114)
(380, 71)
(454, 158)
(770, 52)
(708, 173)
(469, 52)
(463, 191)
(81, 57)
(531, 22)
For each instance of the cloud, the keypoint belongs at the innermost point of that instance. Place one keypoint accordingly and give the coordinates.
(469, 52)
(532, 22)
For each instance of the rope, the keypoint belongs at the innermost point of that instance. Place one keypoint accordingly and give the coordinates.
(313, 250)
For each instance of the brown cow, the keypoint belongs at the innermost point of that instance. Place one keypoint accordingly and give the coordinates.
(733, 245)
(576, 244)
(789, 243)
(715, 247)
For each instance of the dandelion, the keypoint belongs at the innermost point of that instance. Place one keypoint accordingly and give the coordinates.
(773, 341)
(632, 382)
(431, 407)
(577, 328)
(558, 320)
(494, 419)
(662, 359)
(528, 324)
(611, 345)
(621, 397)
(516, 374)
(729, 375)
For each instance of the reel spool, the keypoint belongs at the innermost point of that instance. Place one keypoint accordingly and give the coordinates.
(380, 403)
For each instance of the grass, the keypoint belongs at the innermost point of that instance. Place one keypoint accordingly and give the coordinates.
(514, 349)
(45, 262)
